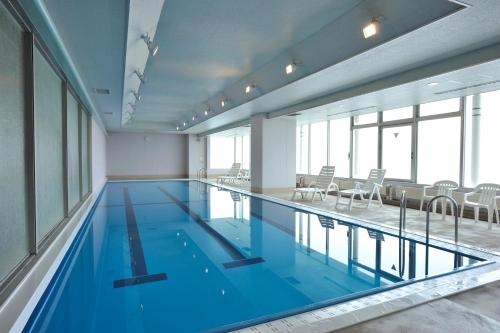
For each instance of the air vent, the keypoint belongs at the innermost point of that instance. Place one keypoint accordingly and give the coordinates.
(102, 91)
(468, 87)
(294, 114)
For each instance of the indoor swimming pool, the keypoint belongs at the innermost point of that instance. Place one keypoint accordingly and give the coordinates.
(186, 256)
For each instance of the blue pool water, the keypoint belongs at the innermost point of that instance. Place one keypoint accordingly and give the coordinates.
(184, 256)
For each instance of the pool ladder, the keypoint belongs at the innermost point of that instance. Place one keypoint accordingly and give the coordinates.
(402, 227)
(202, 173)
(427, 220)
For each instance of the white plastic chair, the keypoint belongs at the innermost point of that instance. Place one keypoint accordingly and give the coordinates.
(487, 199)
(323, 184)
(371, 186)
(232, 174)
(442, 187)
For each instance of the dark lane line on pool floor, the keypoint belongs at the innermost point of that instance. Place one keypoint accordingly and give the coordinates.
(232, 251)
(137, 261)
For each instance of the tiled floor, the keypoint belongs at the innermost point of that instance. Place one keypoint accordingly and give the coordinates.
(476, 310)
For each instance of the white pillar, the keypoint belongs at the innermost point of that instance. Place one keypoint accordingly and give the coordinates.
(196, 154)
(476, 138)
(272, 154)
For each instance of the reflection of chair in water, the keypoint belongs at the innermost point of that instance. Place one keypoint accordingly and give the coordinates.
(326, 222)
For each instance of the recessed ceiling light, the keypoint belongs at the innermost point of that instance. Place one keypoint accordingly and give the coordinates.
(206, 112)
(432, 84)
(249, 88)
(193, 118)
(371, 29)
(184, 124)
(455, 82)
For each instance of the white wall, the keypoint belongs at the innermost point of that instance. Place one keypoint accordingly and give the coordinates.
(98, 156)
(140, 155)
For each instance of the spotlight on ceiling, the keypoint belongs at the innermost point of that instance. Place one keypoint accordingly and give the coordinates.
(153, 48)
(193, 118)
(291, 67)
(432, 84)
(223, 103)
(249, 88)
(140, 76)
(137, 97)
(206, 112)
(372, 28)
(177, 128)
(184, 124)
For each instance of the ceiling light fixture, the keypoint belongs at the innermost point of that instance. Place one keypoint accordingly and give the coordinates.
(140, 76)
(177, 128)
(153, 48)
(138, 97)
(249, 88)
(291, 67)
(432, 84)
(224, 102)
(193, 117)
(372, 28)
(184, 124)
(206, 112)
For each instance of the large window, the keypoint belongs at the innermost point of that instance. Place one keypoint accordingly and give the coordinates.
(397, 151)
(302, 149)
(50, 208)
(365, 151)
(319, 143)
(440, 107)
(14, 239)
(482, 125)
(226, 150)
(340, 146)
(438, 150)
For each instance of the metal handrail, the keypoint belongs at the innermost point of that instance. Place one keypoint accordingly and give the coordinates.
(427, 221)
(402, 212)
(201, 172)
(402, 227)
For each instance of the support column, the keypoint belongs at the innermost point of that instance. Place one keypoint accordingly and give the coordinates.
(476, 138)
(272, 155)
(196, 155)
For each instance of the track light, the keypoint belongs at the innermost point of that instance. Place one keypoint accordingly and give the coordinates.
(224, 102)
(177, 128)
(184, 124)
(138, 97)
(206, 112)
(249, 88)
(372, 28)
(140, 76)
(291, 67)
(193, 118)
(153, 48)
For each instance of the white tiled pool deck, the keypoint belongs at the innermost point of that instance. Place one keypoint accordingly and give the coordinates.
(466, 301)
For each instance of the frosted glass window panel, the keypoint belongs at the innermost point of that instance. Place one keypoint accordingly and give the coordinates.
(396, 152)
(319, 144)
(340, 145)
(363, 119)
(438, 150)
(49, 172)
(440, 107)
(365, 151)
(397, 114)
(14, 240)
(246, 152)
(481, 165)
(73, 152)
(302, 149)
(85, 153)
(221, 152)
